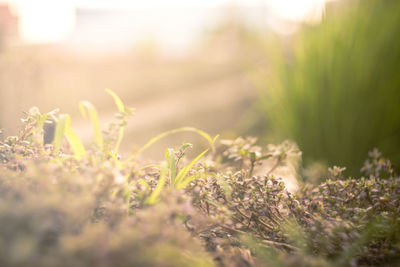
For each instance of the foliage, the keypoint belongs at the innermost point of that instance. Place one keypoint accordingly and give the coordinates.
(57, 209)
(334, 88)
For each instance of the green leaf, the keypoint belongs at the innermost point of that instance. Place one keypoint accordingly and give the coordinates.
(210, 140)
(185, 182)
(41, 121)
(171, 163)
(123, 110)
(189, 179)
(184, 171)
(94, 119)
(118, 102)
(59, 133)
(144, 183)
(214, 140)
(73, 139)
(64, 128)
(120, 137)
(153, 198)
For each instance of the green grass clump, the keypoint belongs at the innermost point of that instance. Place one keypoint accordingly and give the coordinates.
(96, 209)
(335, 88)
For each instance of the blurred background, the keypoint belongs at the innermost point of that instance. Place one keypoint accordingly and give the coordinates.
(322, 73)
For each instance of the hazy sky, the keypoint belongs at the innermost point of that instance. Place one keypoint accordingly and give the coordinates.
(54, 20)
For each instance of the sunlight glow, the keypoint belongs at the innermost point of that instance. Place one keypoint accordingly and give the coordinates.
(43, 21)
(297, 10)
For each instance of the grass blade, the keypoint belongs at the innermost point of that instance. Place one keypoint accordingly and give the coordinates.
(144, 183)
(184, 171)
(59, 133)
(188, 179)
(41, 121)
(122, 110)
(171, 163)
(118, 102)
(210, 140)
(161, 182)
(73, 139)
(120, 137)
(185, 182)
(94, 119)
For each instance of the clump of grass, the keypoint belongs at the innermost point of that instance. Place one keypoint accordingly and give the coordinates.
(334, 88)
